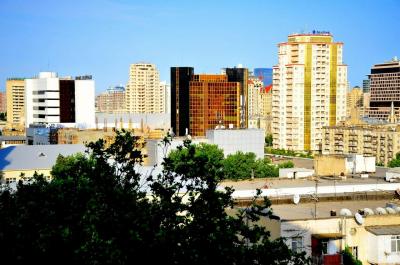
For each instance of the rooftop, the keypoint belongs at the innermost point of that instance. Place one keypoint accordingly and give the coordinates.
(303, 211)
(31, 157)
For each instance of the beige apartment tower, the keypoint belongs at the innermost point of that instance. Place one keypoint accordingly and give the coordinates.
(309, 90)
(15, 92)
(143, 91)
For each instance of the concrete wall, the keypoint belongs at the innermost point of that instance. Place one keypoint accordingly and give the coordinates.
(330, 165)
(16, 174)
(232, 141)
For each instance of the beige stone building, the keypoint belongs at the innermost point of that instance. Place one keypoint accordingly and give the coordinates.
(15, 91)
(143, 91)
(309, 90)
(354, 100)
(381, 141)
(112, 100)
(3, 102)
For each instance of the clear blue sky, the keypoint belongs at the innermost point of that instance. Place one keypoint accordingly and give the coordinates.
(103, 37)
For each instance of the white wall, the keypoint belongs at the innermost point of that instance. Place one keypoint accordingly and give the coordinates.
(244, 140)
(380, 251)
(85, 103)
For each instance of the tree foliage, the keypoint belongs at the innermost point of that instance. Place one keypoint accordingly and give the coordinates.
(395, 162)
(348, 258)
(268, 140)
(99, 210)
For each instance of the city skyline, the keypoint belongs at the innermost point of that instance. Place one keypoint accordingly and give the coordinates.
(103, 38)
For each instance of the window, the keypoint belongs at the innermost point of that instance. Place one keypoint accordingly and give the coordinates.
(395, 243)
(297, 244)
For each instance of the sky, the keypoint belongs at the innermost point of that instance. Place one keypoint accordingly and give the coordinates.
(104, 37)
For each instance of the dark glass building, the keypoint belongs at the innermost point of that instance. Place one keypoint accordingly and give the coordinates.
(180, 84)
(240, 75)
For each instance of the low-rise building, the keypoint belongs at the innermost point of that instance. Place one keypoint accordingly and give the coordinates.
(21, 162)
(343, 165)
(381, 141)
(12, 140)
(370, 229)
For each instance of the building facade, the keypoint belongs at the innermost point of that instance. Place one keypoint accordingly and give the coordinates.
(381, 141)
(240, 75)
(143, 91)
(354, 100)
(180, 80)
(213, 102)
(255, 102)
(384, 89)
(53, 100)
(15, 93)
(309, 90)
(3, 102)
(366, 86)
(113, 100)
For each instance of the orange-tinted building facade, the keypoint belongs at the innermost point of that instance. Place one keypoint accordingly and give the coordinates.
(213, 102)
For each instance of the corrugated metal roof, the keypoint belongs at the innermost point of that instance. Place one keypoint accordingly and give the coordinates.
(31, 157)
(381, 230)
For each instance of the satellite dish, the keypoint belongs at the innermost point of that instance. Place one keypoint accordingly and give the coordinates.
(368, 211)
(345, 212)
(380, 211)
(359, 218)
(397, 209)
(390, 210)
(296, 199)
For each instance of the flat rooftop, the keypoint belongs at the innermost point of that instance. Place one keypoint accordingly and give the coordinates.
(303, 211)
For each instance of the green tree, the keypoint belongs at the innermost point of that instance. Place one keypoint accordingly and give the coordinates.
(395, 162)
(348, 258)
(268, 140)
(99, 210)
(239, 165)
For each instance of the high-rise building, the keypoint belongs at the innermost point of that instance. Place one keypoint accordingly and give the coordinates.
(167, 94)
(15, 91)
(143, 92)
(53, 100)
(113, 100)
(3, 102)
(213, 103)
(180, 81)
(309, 90)
(264, 74)
(384, 90)
(255, 103)
(241, 75)
(366, 86)
(354, 100)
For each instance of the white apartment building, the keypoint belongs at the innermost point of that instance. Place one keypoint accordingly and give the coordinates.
(143, 91)
(50, 99)
(309, 90)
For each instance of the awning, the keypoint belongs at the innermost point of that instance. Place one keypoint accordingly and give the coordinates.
(381, 230)
(328, 236)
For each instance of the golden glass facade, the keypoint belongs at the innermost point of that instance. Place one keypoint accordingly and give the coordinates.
(213, 102)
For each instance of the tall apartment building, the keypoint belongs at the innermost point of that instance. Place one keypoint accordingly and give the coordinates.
(15, 93)
(384, 89)
(3, 102)
(255, 103)
(167, 94)
(309, 90)
(354, 100)
(180, 80)
(51, 99)
(381, 141)
(143, 91)
(112, 100)
(213, 102)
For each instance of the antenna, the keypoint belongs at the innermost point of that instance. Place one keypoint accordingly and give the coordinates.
(296, 199)
(359, 218)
